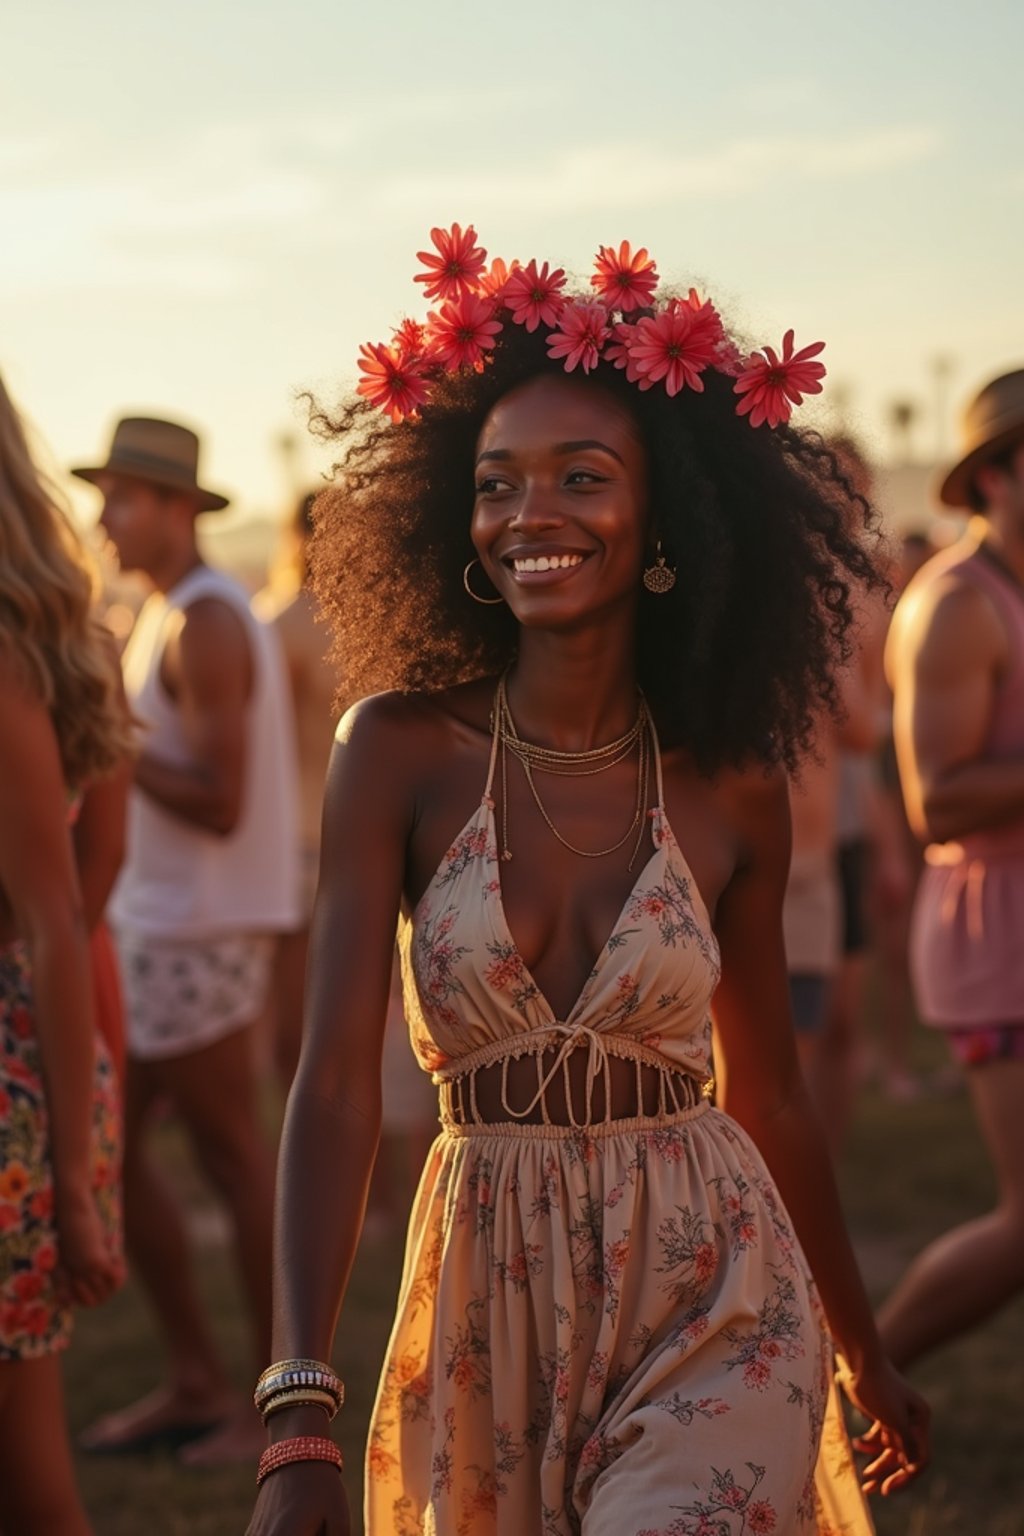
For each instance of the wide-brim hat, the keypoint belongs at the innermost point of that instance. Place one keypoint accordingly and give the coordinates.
(994, 420)
(163, 452)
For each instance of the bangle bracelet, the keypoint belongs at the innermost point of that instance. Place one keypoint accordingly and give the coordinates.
(299, 1397)
(301, 1448)
(287, 1375)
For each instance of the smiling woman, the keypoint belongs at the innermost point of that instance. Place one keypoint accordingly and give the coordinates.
(762, 527)
(606, 606)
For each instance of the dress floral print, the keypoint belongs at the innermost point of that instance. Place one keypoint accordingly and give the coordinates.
(33, 1321)
(606, 1328)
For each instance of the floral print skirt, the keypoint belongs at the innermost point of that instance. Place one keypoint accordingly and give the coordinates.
(609, 1332)
(32, 1320)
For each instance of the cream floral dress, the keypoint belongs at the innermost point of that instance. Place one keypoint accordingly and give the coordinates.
(605, 1329)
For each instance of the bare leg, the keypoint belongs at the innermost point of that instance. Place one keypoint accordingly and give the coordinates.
(215, 1092)
(38, 1493)
(969, 1273)
(198, 1392)
(834, 1069)
(288, 994)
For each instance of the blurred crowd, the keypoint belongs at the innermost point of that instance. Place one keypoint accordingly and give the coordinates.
(159, 843)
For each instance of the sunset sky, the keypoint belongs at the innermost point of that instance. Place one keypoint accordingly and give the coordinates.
(207, 206)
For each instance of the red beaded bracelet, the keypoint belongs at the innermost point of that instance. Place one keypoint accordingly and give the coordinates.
(300, 1448)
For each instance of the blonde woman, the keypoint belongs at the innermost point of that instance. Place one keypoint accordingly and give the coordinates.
(62, 726)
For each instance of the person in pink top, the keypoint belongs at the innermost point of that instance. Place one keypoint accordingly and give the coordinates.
(956, 664)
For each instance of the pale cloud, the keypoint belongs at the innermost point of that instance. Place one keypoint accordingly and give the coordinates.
(201, 214)
(640, 175)
(187, 221)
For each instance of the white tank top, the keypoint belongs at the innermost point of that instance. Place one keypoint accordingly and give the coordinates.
(180, 880)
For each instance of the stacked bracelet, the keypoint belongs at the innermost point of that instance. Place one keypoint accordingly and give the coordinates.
(294, 1383)
(301, 1397)
(302, 1448)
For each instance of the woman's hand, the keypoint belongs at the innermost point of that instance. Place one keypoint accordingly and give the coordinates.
(87, 1272)
(898, 1440)
(306, 1498)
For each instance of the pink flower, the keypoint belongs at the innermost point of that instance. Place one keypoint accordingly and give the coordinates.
(535, 297)
(617, 350)
(705, 1261)
(582, 331)
(676, 346)
(394, 382)
(761, 1518)
(453, 273)
(624, 281)
(494, 281)
(771, 385)
(462, 331)
(756, 1374)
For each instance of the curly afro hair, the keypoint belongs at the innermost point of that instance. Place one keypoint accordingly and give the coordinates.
(765, 528)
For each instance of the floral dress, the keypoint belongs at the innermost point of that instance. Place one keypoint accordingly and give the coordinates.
(607, 1328)
(32, 1320)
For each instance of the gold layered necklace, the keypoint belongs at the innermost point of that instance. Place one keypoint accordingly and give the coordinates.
(534, 759)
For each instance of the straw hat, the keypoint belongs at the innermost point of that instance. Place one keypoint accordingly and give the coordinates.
(992, 422)
(161, 451)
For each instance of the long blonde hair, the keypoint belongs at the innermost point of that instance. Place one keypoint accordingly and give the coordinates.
(47, 624)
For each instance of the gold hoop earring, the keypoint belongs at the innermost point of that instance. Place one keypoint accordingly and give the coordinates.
(488, 601)
(660, 577)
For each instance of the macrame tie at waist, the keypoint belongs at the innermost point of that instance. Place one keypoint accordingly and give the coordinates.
(455, 1079)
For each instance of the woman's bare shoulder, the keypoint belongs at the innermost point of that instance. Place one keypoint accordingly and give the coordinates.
(754, 792)
(420, 718)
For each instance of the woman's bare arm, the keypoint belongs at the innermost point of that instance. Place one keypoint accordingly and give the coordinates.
(37, 876)
(99, 840)
(764, 1088)
(765, 1093)
(332, 1124)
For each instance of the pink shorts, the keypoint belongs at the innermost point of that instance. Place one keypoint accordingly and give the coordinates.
(996, 1042)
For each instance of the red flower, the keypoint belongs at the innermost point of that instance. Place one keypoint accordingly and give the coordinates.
(493, 283)
(21, 1023)
(454, 272)
(582, 331)
(707, 323)
(461, 332)
(534, 296)
(624, 281)
(676, 346)
(35, 1319)
(394, 382)
(771, 385)
(410, 338)
(28, 1285)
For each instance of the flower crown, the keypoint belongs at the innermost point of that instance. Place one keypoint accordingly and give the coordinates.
(669, 343)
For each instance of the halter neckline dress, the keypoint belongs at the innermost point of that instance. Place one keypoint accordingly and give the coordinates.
(604, 1328)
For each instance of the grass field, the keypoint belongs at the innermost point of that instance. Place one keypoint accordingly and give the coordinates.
(911, 1171)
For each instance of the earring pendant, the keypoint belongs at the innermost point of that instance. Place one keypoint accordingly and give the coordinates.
(660, 577)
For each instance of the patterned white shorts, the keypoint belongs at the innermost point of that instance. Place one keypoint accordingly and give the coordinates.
(183, 994)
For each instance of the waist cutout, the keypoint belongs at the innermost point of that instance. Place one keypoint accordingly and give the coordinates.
(565, 1076)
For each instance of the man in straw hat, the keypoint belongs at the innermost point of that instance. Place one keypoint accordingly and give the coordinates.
(209, 878)
(955, 660)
